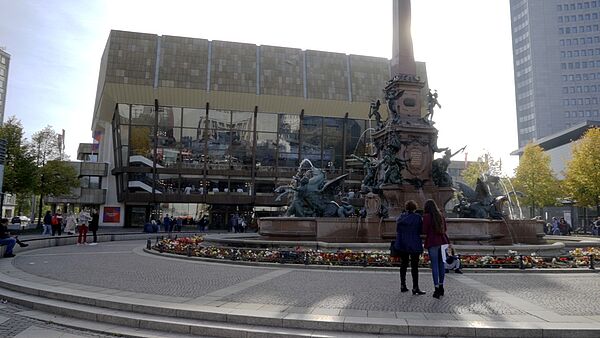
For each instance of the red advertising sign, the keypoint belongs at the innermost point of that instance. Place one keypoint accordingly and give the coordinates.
(112, 215)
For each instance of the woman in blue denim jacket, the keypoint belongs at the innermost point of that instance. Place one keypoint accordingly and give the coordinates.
(408, 242)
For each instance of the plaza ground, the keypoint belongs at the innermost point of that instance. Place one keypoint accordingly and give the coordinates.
(541, 302)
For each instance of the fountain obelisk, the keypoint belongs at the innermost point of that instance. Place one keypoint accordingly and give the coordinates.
(407, 142)
(403, 60)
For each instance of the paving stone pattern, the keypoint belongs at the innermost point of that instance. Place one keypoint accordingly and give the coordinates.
(17, 324)
(117, 266)
(566, 294)
(131, 272)
(367, 291)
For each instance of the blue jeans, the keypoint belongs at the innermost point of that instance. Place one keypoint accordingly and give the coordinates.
(46, 230)
(10, 244)
(437, 265)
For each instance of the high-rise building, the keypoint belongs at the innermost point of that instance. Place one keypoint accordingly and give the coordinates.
(4, 66)
(556, 52)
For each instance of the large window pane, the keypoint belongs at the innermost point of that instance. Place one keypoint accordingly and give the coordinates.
(142, 115)
(289, 124)
(192, 145)
(218, 144)
(266, 149)
(141, 141)
(312, 132)
(123, 113)
(266, 122)
(167, 156)
(193, 118)
(357, 137)
(219, 119)
(333, 129)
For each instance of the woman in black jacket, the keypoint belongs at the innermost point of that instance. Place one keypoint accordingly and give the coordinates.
(408, 242)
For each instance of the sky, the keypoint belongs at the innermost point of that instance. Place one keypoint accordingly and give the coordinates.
(56, 47)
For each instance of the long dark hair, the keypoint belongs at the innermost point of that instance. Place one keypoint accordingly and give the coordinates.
(436, 216)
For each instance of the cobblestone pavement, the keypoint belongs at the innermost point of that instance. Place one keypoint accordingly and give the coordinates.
(114, 265)
(14, 325)
(367, 291)
(121, 266)
(566, 294)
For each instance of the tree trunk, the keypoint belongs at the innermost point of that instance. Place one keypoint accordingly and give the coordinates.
(40, 207)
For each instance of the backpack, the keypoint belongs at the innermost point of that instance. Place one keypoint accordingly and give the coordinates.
(54, 220)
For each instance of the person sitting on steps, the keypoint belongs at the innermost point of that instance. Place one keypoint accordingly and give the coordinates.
(8, 240)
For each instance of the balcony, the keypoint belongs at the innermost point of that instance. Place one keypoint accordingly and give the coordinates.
(81, 196)
(93, 169)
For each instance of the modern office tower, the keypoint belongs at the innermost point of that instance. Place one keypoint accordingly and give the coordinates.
(556, 52)
(189, 124)
(4, 66)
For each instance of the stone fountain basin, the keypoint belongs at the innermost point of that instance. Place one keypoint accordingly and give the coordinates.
(461, 231)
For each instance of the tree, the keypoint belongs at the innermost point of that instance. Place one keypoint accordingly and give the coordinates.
(45, 146)
(485, 165)
(55, 178)
(535, 179)
(582, 176)
(19, 165)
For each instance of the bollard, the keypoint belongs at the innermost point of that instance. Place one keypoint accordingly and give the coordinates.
(149, 244)
(592, 262)
(364, 259)
(189, 251)
(160, 248)
(306, 258)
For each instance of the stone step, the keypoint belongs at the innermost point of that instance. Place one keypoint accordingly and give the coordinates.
(192, 319)
(130, 324)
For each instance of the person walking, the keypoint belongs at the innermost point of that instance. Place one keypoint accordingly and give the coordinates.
(434, 226)
(94, 226)
(84, 219)
(409, 226)
(47, 223)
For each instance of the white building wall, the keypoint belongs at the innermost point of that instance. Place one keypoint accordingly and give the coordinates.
(559, 157)
(106, 155)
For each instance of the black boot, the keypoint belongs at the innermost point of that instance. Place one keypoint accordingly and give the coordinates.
(436, 293)
(441, 289)
(403, 287)
(417, 292)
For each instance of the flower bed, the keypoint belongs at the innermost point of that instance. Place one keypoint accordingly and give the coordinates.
(193, 246)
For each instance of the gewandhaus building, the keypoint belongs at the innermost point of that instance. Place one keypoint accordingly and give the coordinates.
(190, 126)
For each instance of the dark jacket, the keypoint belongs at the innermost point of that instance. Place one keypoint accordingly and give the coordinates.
(48, 219)
(432, 238)
(94, 222)
(4, 232)
(408, 233)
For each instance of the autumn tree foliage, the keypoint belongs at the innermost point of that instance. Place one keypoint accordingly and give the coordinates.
(535, 179)
(582, 176)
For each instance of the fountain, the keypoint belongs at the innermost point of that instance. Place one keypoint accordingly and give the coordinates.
(401, 167)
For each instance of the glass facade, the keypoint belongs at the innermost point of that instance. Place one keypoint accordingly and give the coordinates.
(181, 154)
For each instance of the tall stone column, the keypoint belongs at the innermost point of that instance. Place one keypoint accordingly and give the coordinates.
(403, 59)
